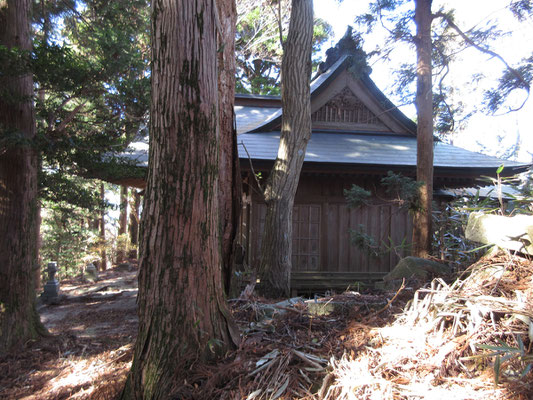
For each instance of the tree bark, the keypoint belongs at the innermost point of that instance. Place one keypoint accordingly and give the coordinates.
(182, 311)
(276, 246)
(230, 186)
(134, 222)
(41, 99)
(122, 224)
(422, 224)
(19, 321)
(103, 252)
(39, 242)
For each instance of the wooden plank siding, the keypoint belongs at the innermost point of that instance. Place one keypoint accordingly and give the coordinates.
(321, 224)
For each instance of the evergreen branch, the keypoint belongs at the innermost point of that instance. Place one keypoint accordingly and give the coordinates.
(278, 18)
(445, 67)
(70, 117)
(483, 49)
(514, 109)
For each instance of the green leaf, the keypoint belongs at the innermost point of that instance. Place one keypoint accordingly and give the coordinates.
(520, 345)
(526, 370)
(500, 169)
(479, 248)
(497, 366)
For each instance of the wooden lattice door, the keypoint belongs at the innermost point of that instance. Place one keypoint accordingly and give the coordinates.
(306, 237)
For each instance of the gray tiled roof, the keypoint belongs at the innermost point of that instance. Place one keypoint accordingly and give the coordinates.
(249, 118)
(137, 152)
(276, 112)
(348, 148)
(316, 83)
(508, 192)
(358, 148)
(337, 148)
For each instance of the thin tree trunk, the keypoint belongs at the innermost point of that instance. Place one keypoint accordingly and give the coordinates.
(182, 311)
(39, 241)
(41, 96)
(230, 186)
(103, 252)
(19, 321)
(134, 222)
(422, 230)
(122, 224)
(276, 247)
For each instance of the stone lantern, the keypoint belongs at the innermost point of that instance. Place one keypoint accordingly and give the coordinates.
(51, 288)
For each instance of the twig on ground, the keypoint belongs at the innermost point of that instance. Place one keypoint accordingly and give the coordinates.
(391, 300)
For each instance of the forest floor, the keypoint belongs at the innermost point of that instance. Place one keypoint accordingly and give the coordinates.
(89, 350)
(403, 344)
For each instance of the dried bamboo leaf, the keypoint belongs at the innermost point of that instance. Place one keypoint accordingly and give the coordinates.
(254, 394)
(282, 389)
(310, 359)
(305, 377)
(273, 354)
(262, 367)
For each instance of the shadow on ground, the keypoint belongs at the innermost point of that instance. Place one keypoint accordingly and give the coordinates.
(89, 350)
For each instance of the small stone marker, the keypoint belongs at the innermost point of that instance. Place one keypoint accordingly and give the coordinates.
(51, 288)
(92, 272)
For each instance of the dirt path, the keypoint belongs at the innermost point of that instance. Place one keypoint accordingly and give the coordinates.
(89, 351)
(341, 346)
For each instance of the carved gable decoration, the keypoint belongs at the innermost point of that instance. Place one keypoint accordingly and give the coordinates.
(345, 108)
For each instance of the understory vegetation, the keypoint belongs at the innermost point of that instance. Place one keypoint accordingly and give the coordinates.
(504, 196)
(71, 231)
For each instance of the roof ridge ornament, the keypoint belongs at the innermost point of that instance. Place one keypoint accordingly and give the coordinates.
(349, 45)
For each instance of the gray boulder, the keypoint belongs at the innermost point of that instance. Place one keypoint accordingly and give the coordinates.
(414, 267)
(512, 233)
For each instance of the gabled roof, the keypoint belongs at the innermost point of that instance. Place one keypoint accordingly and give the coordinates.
(366, 149)
(390, 143)
(250, 117)
(382, 139)
(321, 84)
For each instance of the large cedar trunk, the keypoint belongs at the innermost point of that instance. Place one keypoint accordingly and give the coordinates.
(19, 320)
(230, 190)
(182, 311)
(422, 230)
(276, 247)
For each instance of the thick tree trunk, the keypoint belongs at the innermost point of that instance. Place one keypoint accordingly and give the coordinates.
(182, 311)
(103, 252)
(422, 230)
(122, 224)
(276, 247)
(230, 189)
(19, 320)
(134, 222)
